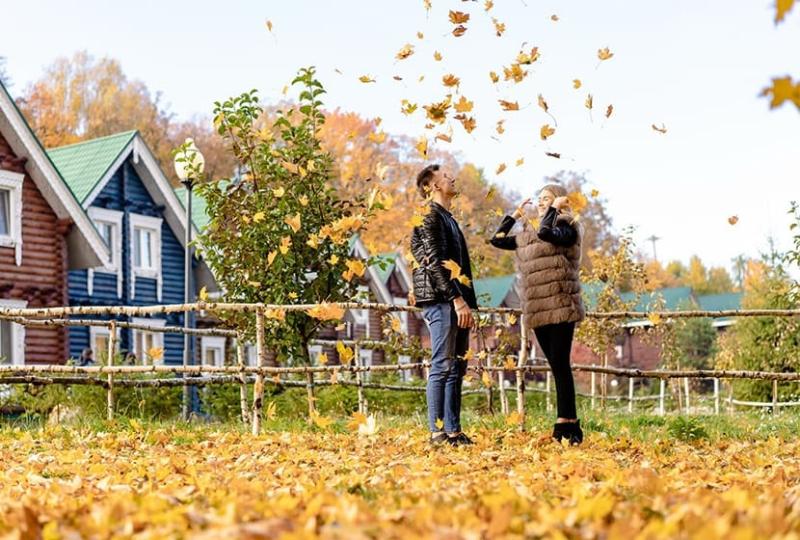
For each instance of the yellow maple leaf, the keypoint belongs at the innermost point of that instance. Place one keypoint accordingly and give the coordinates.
(396, 324)
(405, 52)
(512, 320)
(543, 103)
(286, 243)
(277, 314)
(356, 420)
(782, 7)
(499, 128)
(439, 423)
(293, 295)
(279, 192)
(494, 76)
(155, 353)
(271, 257)
(377, 138)
(577, 201)
(469, 355)
(589, 102)
(320, 421)
(576, 83)
(782, 89)
(333, 259)
(258, 217)
(437, 56)
(326, 312)
(422, 147)
(407, 108)
(366, 79)
(293, 222)
(453, 267)
(463, 105)
(546, 131)
(654, 318)
(514, 419)
(450, 80)
(510, 363)
(520, 161)
(604, 53)
(322, 359)
(345, 353)
(499, 27)
(458, 17)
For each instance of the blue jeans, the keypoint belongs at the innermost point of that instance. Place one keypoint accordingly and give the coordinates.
(449, 343)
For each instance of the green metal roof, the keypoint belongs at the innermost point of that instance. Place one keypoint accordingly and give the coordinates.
(84, 164)
(200, 216)
(675, 298)
(719, 302)
(496, 288)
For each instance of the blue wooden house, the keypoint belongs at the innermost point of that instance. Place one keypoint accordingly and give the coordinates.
(121, 187)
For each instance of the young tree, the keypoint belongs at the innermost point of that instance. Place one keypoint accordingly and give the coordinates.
(279, 233)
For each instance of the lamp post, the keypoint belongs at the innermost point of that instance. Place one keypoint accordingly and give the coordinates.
(189, 166)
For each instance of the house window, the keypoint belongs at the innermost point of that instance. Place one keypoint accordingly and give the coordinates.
(251, 355)
(12, 336)
(212, 350)
(145, 240)
(402, 315)
(11, 212)
(314, 352)
(146, 344)
(405, 375)
(98, 341)
(365, 357)
(361, 316)
(109, 225)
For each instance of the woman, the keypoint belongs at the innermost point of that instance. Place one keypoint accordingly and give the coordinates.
(548, 262)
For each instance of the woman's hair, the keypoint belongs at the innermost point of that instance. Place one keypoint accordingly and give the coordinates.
(556, 189)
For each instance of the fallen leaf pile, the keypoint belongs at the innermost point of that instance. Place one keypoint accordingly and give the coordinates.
(218, 483)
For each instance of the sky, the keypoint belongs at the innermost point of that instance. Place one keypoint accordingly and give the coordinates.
(695, 67)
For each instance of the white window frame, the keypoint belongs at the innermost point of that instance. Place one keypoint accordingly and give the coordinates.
(138, 221)
(365, 359)
(361, 316)
(405, 374)
(17, 333)
(158, 337)
(12, 181)
(94, 332)
(314, 352)
(403, 315)
(208, 343)
(113, 218)
(250, 355)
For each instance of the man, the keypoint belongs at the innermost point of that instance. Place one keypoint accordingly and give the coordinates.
(446, 303)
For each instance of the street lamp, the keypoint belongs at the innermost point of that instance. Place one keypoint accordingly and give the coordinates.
(189, 166)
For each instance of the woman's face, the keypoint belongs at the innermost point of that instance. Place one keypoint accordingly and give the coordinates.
(546, 198)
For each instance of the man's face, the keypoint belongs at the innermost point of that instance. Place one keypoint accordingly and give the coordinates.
(444, 182)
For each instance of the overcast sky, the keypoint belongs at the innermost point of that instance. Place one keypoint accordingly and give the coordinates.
(696, 67)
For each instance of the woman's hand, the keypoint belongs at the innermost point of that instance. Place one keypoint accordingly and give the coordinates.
(521, 209)
(560, 202)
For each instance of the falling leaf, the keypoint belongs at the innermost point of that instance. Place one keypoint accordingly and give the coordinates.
(459, 31)
(420, 35)
(272, 410)
(437, 111)
(589, 102)
(458, 17)
(407, 108)
(500, 168)
(488, 4)
(662, 129)
(595, 193)
(576, 83)
(499, 27)
(554, 17)
(508, 105)
(553, 155)
(782, 90)
(203, 294)
(366, 79)
(468, 122)
(377, 138)
(512, 319)
(326, 312)
(422, 147)
(491, 193)
(543, 103)
(405, 52)
(499, 128)
(604, 53)
(269, 25)
(654, 318)
(546, 131)
(453, 267)
(463, 105)
(609, 110)
(515, 73)
(782, 7)
(520, 161)
(437, 56)
(293, 222)
(494, 76)
(733, 220)
(450, 80)
(443, 137)
(577, 201)
(345, 353)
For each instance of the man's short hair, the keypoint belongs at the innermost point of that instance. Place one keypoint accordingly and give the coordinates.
(424, 179)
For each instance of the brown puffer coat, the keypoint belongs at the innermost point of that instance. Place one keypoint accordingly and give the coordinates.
(549, 283)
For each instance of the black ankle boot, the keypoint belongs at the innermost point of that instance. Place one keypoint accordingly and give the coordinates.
(568, 430)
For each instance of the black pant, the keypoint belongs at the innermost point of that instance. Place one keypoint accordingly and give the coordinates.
(556, 343)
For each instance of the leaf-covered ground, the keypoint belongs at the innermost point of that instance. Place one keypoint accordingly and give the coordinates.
(130, 480)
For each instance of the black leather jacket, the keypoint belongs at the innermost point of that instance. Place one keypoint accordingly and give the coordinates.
(438, 239)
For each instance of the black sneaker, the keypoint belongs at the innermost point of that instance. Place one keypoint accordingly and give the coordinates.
(571, 431)
(438, 439)
(460, 439)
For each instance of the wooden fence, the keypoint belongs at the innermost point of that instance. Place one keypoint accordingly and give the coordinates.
(111, 376)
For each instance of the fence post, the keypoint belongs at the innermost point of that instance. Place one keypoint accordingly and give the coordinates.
(604, 383)
(548, 401)
(310, 395)
(501, 382)
(258, 387)
(730, 396)
(686, 388)
(661, 390)
(243, 378)
(362, 406)
(630, 394)
(523, 359)
(112, 347)
(716, 395)
(593, 378)
(775, 396)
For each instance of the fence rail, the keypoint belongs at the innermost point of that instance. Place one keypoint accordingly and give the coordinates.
(260, 375)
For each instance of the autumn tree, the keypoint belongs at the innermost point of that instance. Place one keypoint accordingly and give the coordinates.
(82, 98)
(279, 233)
